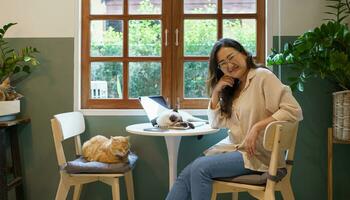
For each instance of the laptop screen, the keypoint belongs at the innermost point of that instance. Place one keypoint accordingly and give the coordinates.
(153, 106)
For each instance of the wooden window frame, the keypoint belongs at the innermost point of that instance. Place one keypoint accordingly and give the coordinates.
(171, 55)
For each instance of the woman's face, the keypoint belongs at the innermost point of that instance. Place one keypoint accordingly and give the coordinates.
(231, 62)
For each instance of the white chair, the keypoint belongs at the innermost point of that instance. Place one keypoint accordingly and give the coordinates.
(278, 137)
(68, 125)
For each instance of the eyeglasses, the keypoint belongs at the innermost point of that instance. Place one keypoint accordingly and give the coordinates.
(224, 64)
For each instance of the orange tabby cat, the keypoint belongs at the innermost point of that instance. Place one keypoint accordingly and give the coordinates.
(102, 149)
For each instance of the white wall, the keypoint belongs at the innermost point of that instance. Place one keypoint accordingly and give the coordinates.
(291, 18)
(298, 16)
(56, 18)
(39, 18)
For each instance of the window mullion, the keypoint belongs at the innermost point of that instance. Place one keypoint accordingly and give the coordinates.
(177, 35)
(219, 19)
(166, 77)
(125, 49)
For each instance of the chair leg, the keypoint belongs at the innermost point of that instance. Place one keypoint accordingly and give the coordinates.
(115, 189)
(269, 195)
(234, 195)
(214, 192)
(77, 192)
(213, 195)
(62, 191)
(129, 185)
(287, 191)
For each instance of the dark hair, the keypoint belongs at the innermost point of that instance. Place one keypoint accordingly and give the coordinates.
(226, 95)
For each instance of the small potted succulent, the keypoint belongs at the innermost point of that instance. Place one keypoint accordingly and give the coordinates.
(14, 67)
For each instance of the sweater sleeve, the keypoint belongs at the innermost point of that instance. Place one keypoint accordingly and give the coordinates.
(279, 100)
(216, 120)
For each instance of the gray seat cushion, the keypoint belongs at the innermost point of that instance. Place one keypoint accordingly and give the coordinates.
(80, 165)
(255, 179)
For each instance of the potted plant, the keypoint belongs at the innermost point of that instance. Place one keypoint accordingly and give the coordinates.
(14, 67)
(323, 52)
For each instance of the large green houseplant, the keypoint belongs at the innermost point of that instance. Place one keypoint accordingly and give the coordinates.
(323, 51)
(14, 65)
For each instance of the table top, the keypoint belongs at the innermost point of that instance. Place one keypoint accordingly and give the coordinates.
(148, 129)
(22, 120)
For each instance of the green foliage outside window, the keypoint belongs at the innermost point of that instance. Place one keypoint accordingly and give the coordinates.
(145, 79)
(111, 44)
(243, 31)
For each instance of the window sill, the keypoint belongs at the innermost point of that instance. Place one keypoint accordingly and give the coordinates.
(132, 112)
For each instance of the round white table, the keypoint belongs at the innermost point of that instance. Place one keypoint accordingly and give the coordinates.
(172, 139)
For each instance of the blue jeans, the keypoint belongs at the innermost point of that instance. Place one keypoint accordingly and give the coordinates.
(195, 181)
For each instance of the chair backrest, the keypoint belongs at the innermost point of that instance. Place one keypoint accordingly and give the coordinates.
(285, 134)
(64, 126)
(71, 124)
(288, 132)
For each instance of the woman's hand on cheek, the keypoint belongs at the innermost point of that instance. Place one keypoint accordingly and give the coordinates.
(223, 82)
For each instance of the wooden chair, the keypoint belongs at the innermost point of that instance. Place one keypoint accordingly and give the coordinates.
(68, 125)
(278, 137)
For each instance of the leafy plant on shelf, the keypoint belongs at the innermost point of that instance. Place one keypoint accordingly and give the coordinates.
(14, 65)
(322, 52)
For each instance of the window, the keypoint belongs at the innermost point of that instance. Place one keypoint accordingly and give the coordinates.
(133, 48)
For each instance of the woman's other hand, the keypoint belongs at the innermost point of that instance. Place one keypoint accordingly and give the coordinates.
(250, 143)
(251, 138)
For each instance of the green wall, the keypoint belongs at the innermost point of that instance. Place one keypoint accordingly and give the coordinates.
(49, 90)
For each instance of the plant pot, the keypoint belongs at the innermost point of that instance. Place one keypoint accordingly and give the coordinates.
(9, 109)
(341, 115)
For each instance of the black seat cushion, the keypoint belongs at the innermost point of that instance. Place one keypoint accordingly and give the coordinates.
(255, 179)
(80, 165)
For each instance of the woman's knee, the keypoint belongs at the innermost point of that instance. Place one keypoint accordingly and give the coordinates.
(185, 173)
(200, 166)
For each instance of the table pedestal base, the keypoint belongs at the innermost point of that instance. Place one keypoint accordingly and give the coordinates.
(172, 143)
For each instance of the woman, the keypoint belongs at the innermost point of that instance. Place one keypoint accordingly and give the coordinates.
(245, 98)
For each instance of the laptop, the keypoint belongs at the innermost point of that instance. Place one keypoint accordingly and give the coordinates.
(154, 105)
